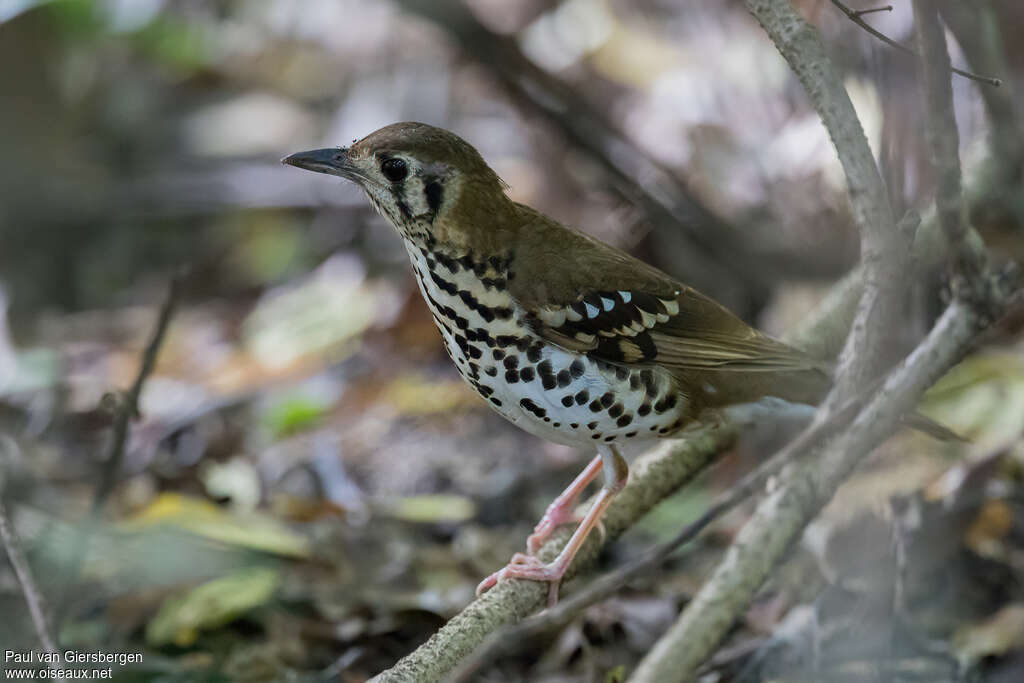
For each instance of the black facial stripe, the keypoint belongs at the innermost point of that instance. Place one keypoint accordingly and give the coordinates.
(434, 193)
(396, 192)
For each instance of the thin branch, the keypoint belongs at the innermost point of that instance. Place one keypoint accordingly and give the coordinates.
(944, 142)
(29, 588)
(127, 410)
(855, 17)
(129, 407)
(872, 10)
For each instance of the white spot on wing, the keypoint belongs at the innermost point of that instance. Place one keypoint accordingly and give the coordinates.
(553, 317)
(572, 315)
(672, 306)
(625, 296)
(648, 318)
(592, 311)
(608, 304)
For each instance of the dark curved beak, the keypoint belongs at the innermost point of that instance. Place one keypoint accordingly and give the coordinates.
(334, 161)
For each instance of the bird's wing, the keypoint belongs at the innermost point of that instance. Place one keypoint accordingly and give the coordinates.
(587, 296)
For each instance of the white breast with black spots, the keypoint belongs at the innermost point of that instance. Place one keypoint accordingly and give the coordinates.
(559, 395)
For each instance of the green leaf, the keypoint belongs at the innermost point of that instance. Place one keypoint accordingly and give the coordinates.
(210, 605)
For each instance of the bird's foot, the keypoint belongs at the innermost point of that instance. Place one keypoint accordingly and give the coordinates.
(523, 566)
(557, 514)
(551, 521)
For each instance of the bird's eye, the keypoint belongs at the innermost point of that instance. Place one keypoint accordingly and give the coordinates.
(394, 169)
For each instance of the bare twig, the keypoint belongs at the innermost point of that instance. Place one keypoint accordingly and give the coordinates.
(872, 10)
(26, 580)
(129, 407)
(855, 17)
(127, 410)
(944, 142)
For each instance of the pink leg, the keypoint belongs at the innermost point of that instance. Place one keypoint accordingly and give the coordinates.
(562, 508)
(524, 566)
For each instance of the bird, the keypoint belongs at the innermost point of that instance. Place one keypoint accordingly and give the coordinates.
(567, 337)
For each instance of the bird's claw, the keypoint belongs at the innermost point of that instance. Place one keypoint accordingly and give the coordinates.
(523, 566)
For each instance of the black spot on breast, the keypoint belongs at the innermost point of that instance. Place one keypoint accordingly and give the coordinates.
(630, 435)
(484, 390)
(582, 397)
(624, 420)
(567, 400)
(495, 401)
(511, 362)
(644, 409)
(596, 436)
(609, 438)
(607, 398)
(574, 425)
(548, 381)
(527, 374)
(595, 406)
(534, 353)
(475, 352)
(506, 339)
(529, 405)
(497, 354)
(444, 285)
(492, 371)
(591, 425)
(621, 373)
(511, 376)
(564, 378)
(576, 368)
(615, 410)
(484, 336)
(634, 381)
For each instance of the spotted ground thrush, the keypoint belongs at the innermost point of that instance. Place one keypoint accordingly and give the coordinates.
(567, 337)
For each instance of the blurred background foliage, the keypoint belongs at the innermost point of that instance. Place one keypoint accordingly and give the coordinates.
(309, 490)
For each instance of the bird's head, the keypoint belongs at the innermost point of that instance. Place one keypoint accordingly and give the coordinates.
(424, 180)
